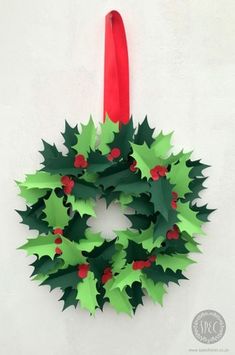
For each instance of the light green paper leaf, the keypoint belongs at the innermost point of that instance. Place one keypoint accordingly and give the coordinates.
(87, 292)
(179, 176)
(118, 260)
(162, 145)
(126, 277)
(56, 213)
(82, 206)
(31, 196)
(155, 291)
(145, 237)
(108, 128)
(118, 299)
(146, 159)
(41, 180)
(86, 140)
(191, 244)
(89, 177)
(125, 199)
(45, 245)
(92, 240)
(174, 262)
(188, 220)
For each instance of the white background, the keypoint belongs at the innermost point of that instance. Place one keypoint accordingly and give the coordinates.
(182, 63)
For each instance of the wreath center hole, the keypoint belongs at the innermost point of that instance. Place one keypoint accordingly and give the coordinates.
(109, 219)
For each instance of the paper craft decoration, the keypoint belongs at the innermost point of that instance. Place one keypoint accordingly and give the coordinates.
(130, 166)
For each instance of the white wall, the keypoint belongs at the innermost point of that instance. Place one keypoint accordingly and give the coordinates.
(182, 62)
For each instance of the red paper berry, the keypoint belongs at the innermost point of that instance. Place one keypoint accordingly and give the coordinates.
(80, 161)
(133, 166)
(65, 180)
(115, 152)
(162, 170)
(173, 233)
(84, 164)
(107, 270)
(152, 258)
(58, 251)
(106, 277)
(110, 157)
(173, 204)
(174, 196)
(138, 265)
(58, 240)
(83, 270)
(147, 263)
(176, 228)
(58, 231)
(154, 174)
(68, 189)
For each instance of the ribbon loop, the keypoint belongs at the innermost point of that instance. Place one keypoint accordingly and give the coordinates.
(116, 70)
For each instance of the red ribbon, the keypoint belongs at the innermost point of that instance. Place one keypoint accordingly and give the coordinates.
(116, 70)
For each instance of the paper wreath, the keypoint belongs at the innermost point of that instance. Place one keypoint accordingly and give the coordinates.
(136, 170)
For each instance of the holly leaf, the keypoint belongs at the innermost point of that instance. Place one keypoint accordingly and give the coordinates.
(97, 162)
(84, 190)
(118, 299)
(83, 207)
(143, 237)
(162, 145)
(55, 211)
(191, 245)
(188, 220)
(196, 186)
(132, 184)
(31, 196)
(114, 175)
(174, 262)
(179, 176)
(70, 136)
(144, 133)
(87, 293)
(142, 205)
(139, 221)
(76, 228)
(125, 199)
(136, 295)
(45, 245)
(161, 196)
(63, 279)
(126, 277)
(146, 158)
(69, 298)
(197, 168)
(86, 139)
(155, 291)
(202, 212)
(32, 217)
(122, 139)
(41, 180)
(118, 260)
(90, 241)
(63, 165)
(49, 152)
(108, 128)
(45, 265)
(172, 159)
(135, 252)
(162, 225)
(157, 274)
